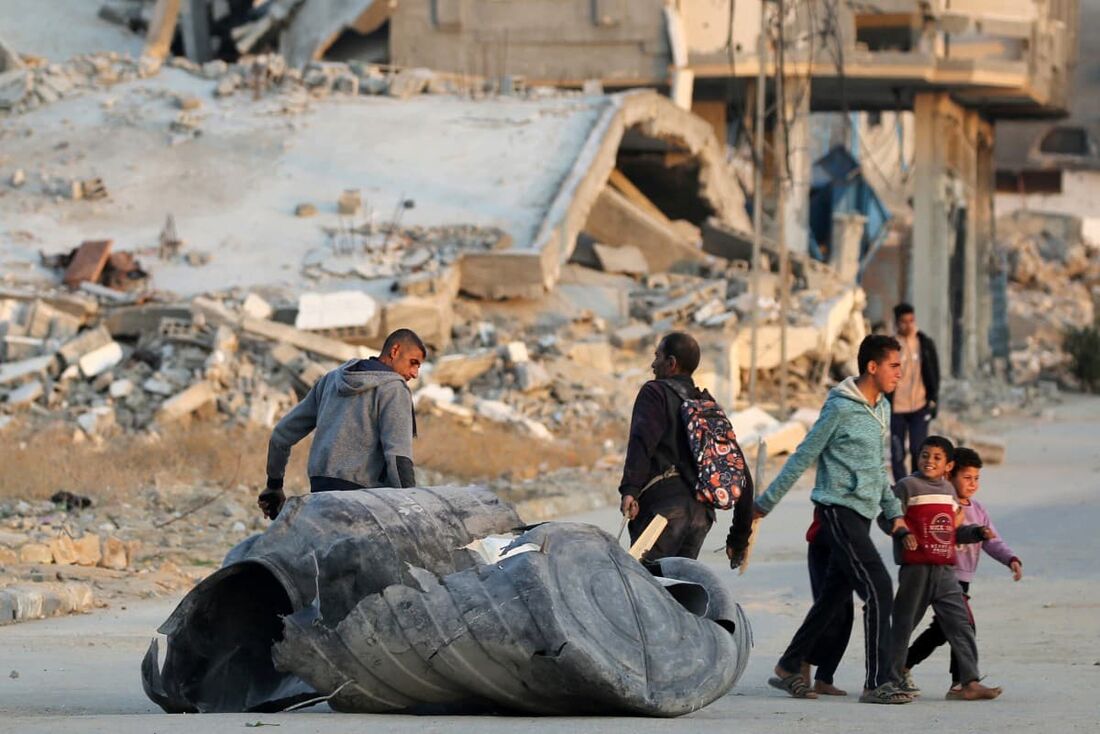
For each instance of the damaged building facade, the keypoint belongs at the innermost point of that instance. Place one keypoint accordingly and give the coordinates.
(954, 67)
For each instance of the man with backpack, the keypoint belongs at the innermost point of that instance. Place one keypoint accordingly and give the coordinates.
(677, 435)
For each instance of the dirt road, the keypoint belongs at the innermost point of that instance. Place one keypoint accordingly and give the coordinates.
(1038, 638)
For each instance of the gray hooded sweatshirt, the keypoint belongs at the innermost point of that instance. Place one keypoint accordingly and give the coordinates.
(363, 414)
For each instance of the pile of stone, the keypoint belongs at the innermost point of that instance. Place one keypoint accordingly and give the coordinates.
(1054, 286)
(37, 82)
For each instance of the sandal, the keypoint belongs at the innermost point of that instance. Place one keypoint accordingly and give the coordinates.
(887, 693)
(793, 685)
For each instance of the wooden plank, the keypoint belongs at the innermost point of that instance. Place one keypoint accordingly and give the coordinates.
(88, 263)
(648, 537)
(626, 187)
(757, 486)
(322, 345)
(158, 40)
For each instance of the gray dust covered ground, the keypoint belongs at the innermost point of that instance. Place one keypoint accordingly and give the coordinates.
(1037, 638)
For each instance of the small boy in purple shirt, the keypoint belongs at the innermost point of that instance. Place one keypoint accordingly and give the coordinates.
(965, 477)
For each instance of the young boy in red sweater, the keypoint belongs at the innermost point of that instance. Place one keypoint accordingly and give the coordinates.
(965, 478)
(925, 550)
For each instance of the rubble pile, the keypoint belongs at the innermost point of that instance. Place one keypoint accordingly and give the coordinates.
(41, 83)
(1054, 286)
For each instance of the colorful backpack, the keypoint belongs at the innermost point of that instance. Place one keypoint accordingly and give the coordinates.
(719, 462)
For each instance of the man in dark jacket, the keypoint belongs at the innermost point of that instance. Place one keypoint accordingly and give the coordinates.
(659, 474)
(363, 414)
(914, 402)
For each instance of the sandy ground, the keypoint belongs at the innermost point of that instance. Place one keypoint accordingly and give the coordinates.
(1037, 638)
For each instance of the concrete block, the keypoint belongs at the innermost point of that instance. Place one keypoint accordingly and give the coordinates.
(342, 309)
(531, 376)
(213, 313)
(595, 355)
(616, 220)
(186, 402)
(14, 371)
(752, 423)
(41, 600)
(97, 420)
(516, 353)
(63, 550)
(255, 307)
(635, 337)
(626, 259)
(430, 317)
(35, 553)
(784, 438)
(350, 204)
(25, 394)
(100, 360)
(458, 370)
(800, 340)
(7, 556)
(85, 342)
(87, 549)
(120, 389)
(158, 386)
(115, 554)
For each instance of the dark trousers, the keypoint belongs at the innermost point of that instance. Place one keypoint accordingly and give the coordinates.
(915, 426)
(921, 586)
(934, 636)
(830, 647)
(854, 565)
(689, 522)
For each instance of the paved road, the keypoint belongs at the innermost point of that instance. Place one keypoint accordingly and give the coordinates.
(1040, 638)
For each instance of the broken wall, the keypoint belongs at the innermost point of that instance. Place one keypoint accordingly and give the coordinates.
(622, 42)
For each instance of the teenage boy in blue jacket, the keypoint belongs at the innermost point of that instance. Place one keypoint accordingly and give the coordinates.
(851, 444)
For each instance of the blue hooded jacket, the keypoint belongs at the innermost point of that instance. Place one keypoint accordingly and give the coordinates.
(851, 443)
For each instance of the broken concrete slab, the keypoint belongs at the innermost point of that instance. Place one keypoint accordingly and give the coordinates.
(25, 394)
(338, 310)
(121, 389)
(626, 259)
(87, 549)
(254, 306)
(531, 376)
(315, 343)
(133, 321)
(616, 220)
(63, 550)
(97, 420)
(431, 317)
(636, 337)
(84, 343)
(185, 403)
(593, 354)
(14, 371)
(9, 58)
(35, 553)
(752, 423)
(459, 370)
(515, 353)
(88, 263)
(46, 321)
(44, 599)
(800, 340)
(115, 554)
(214, 313)
(100, 360)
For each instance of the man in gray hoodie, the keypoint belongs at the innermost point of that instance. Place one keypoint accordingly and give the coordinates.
(363, 414)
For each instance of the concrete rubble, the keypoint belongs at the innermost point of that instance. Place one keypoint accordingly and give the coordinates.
(1053, 287)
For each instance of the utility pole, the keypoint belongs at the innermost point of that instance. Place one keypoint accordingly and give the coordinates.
(783, 165)
(758, 193)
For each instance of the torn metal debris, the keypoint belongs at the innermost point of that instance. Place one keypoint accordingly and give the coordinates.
(400, 601)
